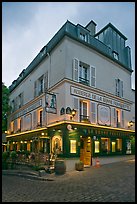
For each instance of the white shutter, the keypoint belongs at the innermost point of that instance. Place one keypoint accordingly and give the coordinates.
(93, 76)
(15, 125)
(36, 88)
(93, 112)
(46, 81)
(76, 103)
(115, 117)
(122, 116)
(76, 107)
(121, 88)
(34, 119)
(75, 70)
(116, 85)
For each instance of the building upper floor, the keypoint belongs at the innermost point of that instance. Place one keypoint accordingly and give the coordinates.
(92, 106)
(109, 42)
(70, 56)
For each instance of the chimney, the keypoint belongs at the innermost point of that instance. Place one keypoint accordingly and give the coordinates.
(91, 26)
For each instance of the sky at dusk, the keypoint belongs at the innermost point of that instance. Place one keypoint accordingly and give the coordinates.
(28, 26)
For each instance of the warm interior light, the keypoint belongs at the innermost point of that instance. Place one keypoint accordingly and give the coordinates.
(130, 124)
(73, 112)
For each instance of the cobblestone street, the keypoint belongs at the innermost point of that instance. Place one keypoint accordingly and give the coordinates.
(113, 182)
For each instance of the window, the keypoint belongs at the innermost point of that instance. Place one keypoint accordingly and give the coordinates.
(119, 87)
(20, 100)
(93, 76)
(96, 146)
(41, 85)
(84, 73)
(28, 121)
(40, 118)
(12, 126)
(19, 124)
(105, 145)
(122, 116)
(115, 55)
(93, 112)
(72, 146)
(84, 111)
(13, 105)
(119, 145)
(57, 144)
(113, 146)
(83, 37)
(117, 117)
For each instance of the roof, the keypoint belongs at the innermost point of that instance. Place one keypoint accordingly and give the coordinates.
(69, 29)
(114, 28)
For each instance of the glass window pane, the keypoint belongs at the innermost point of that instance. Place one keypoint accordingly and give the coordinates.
(72, 146)
(96, 146)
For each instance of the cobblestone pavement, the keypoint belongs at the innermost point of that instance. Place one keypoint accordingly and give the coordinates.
(113, 182)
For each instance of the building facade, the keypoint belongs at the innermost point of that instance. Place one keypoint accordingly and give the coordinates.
(75, 98)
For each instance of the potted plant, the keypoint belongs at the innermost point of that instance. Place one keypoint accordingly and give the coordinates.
(79, 166)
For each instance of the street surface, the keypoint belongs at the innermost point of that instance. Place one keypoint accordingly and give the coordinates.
(113, 182)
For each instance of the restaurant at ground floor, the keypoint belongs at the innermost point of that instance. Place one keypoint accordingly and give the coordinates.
(74, 140)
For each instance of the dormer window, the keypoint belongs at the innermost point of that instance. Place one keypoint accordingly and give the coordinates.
(115, 55)
(83, 37)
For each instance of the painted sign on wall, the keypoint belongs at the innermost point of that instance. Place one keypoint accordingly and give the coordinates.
(51, 103)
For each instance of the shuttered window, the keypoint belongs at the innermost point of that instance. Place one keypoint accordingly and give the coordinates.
(93, 112)
(119, 87)
(75, 69)
(114, 117)
(76, 103)
(36, 88)
(46, 81)
(84, 73)
(122, 116)
(93, 76)
(34, 119)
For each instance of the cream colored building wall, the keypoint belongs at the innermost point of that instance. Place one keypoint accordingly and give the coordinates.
(59, 65)
(106, 70)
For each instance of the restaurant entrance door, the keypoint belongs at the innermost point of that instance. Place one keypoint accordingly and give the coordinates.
(85, 151)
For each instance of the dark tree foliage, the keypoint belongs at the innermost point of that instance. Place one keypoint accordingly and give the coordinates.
(5, 107)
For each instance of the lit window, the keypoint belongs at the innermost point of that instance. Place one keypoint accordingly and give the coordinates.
(113, 146)
(12, 126)
(96, 146)
(72, 146)
(119, 145)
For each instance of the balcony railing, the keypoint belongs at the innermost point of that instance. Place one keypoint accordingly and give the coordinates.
(83, 81)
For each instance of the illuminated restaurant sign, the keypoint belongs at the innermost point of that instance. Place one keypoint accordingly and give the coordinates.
(99, 98)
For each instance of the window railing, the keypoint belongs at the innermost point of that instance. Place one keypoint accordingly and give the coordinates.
(84, 118)
(83, 81)
(118, 125)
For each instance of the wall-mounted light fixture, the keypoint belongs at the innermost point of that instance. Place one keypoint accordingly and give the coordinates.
(73, 112)
(130, 123)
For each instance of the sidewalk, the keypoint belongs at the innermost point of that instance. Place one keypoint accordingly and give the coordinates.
(31, 174)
